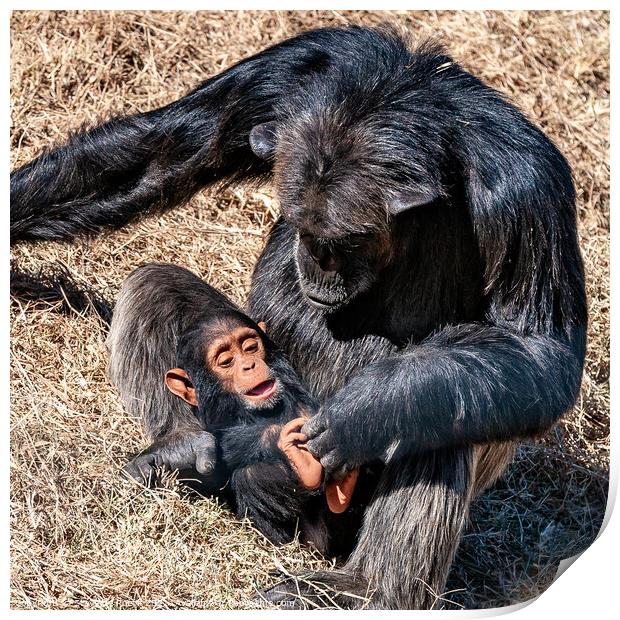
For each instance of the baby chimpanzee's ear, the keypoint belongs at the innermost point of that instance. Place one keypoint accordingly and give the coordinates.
(263, 326)
(179, 383)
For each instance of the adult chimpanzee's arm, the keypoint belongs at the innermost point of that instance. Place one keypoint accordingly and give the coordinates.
(107, 176)
(466, 384)
(188, 448)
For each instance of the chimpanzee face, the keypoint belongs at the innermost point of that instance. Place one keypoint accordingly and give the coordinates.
(237, 359)
(342, 189)
(334, 271)
(226, 361)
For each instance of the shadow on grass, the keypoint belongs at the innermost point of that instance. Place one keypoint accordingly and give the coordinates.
(546, 507)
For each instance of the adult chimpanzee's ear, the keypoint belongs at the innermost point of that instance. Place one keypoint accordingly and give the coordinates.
(410, 199)
(263, 140)
(179, 383)
(263, 326)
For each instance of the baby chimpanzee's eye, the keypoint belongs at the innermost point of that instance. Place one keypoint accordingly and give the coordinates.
(250, 345)
(225, 360)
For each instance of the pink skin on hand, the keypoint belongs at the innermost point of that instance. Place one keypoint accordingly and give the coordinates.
(305, 465)
(338, 493)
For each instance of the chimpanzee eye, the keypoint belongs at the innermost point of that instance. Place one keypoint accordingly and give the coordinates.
(250, 345)
(225, 360)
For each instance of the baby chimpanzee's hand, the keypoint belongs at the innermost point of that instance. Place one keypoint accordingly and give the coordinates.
(193, 450)
(305, 465)
(338, 492)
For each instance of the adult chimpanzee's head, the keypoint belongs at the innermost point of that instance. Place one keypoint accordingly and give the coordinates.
(227, 369)
(352, 156)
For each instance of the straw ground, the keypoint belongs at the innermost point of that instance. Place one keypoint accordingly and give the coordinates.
(83, 538)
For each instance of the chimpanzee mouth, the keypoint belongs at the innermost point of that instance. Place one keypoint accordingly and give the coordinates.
(321, 304)
(263, 391)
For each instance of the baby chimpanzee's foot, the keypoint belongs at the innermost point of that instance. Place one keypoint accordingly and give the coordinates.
(317, 590)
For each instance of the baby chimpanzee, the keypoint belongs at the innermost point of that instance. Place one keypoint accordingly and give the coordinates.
(252, 401)
(244, 391)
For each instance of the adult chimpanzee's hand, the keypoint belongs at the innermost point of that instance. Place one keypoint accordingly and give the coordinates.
(188, 450)
(343, 435)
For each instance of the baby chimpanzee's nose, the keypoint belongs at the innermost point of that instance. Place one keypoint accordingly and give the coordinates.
(321, 252)
(248, 363)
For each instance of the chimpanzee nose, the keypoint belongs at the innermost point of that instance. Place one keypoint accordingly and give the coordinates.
(320, 252)
(248, 363)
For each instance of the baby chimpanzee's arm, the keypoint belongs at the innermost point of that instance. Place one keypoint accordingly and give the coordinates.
(188, 449)
(263, 484)
(245, 444)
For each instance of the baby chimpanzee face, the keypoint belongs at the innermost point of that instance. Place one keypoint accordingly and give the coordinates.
(225, 359)
(237, 359)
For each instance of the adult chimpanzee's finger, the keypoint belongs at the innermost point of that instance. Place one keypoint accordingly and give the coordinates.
(131, 471)
(141, 469)
(205, 462)
(314, 426)
(333, 462)
(321, 445)
(342, 472)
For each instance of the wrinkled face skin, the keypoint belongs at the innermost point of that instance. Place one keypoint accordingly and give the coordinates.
(341, 222)
(237, 359)
(332, 272)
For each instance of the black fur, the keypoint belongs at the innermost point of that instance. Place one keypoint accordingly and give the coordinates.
(109, 175)
(425, 280)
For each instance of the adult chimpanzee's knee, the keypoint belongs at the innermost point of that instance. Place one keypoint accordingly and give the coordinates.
(414, 523)
(412, 528)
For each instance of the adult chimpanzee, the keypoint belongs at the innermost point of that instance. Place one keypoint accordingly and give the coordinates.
(231, 381)
(425, 279)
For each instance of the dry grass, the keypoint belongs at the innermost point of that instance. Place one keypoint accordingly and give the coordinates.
(81, 537)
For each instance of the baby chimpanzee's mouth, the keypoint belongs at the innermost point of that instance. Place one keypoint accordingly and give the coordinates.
(263, 390)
